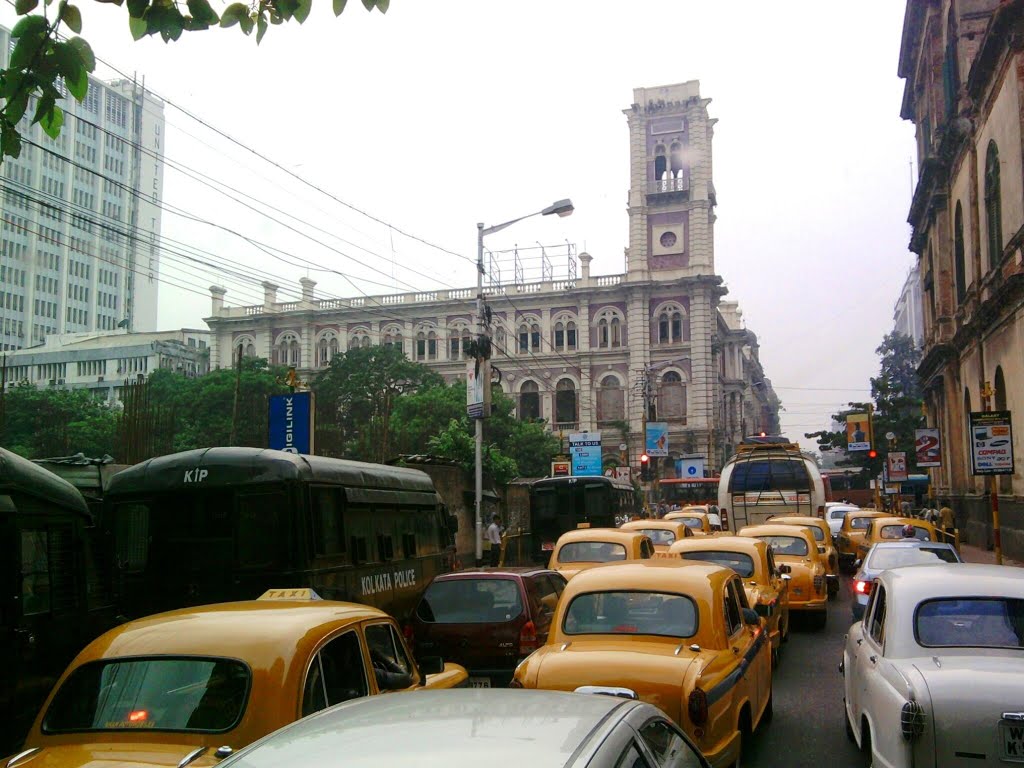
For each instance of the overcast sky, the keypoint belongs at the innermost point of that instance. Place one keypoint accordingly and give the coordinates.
(441, 114)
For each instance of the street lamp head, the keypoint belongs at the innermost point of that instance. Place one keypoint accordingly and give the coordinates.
(561, 207)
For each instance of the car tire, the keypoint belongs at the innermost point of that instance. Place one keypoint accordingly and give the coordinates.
(769, 711)
(849, 728)
(745, 736)
(865, 745)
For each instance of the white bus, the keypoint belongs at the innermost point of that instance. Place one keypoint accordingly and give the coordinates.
(769, 476)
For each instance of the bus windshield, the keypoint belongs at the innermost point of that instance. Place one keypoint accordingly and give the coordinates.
(775, 474)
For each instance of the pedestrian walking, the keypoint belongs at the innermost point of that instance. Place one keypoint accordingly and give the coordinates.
(494, 537)
(947, 520)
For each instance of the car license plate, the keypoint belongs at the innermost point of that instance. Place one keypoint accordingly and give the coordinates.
(479, 682)
(547, 546)
(1011, 742)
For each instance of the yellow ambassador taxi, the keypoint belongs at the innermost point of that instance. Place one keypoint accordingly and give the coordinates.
(793, 545)
(662, 533)
(852, 533)
(891, 529)
(695, 517)
(676, 634)
(188, 687)
(823, 539)
(584, 548)
(764, 582)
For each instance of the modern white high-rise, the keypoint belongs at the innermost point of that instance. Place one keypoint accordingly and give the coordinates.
(81, 217)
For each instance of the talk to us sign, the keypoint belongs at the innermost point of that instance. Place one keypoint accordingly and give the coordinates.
(927, 447)
(991, 443)
(585, 451)
(291, 423)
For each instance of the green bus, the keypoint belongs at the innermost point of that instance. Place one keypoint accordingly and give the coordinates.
(222, 524)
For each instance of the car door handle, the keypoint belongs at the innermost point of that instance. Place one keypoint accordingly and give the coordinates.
(861, 640)
(872, 658)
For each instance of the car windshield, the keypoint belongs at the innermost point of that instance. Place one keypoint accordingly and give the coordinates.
(659, 535)
(816, 532)
(860, 523)
(692, 522)
(739, 562)
(786, 545)
(162, 694)
(885, 557)
(591, 552)
(631, 613)
(896, 532)
(977, 622)
(471, 601)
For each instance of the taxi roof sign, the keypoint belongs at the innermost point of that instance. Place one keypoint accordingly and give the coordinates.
(302, 593)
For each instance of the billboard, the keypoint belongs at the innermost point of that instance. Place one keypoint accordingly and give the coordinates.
(561, 468)
(928, 447)
(690, 468)
(657, 438)
(585, 452)
(991, 443)
(896, 463)
(858, 432)
(290, 423)
(478, 389)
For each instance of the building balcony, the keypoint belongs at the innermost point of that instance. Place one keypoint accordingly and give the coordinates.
(673, 188)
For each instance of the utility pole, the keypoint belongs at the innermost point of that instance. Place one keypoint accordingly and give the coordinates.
(478, 467)
(234, 404)
(987, 393)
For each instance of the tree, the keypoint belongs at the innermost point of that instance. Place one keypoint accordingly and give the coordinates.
(41, 59)
(57, 422)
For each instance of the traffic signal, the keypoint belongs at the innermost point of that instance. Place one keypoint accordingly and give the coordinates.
(872, 454)
(645, 467)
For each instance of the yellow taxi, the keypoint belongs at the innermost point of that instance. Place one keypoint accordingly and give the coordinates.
(794, 546)
(188, 687)
(663, 533)
(823, 539)
(695, 517)
(891, 529)
(766, 586)
(851, 534)
(584, 548)
(676, 634)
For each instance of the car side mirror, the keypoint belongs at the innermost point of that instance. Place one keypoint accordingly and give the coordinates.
(430, 665)
(785, 569)
(786, 577)
(750, 617)
(857, 563)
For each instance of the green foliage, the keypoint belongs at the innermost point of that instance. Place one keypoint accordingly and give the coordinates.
(56, 422)
(39, 60)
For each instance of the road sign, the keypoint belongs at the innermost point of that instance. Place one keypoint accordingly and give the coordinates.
(585, 449)
(927, 447)
(290, 426)
(991, 436)
(896, 463)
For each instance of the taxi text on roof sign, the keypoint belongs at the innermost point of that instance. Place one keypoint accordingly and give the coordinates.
(304, 593)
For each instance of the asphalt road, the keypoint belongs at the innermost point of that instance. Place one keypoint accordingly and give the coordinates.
(807, 727)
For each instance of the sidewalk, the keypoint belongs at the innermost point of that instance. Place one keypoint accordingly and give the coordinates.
(973, 554)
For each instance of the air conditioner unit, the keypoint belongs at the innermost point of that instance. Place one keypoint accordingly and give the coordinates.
(60, 381)
(99, 378)
(52, 382)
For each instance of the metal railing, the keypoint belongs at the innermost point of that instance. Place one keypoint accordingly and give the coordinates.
(668, 185)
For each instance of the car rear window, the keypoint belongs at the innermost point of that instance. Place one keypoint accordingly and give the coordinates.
(896, 532)
(739, 562)
(837, 514)
(659, 535)
(470, 601)
(860, 523)
(631, 613)
(160, 694)
(591, 552)
(786, 545)
(692, 522)
(976, 622)
(883, 557)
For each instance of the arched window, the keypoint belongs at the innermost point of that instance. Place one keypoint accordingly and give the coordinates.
(431, 346)
(559, 336)
(663, 328)
(499, 338)
(524, 339)
(672, 397)
(392, 337)
(677, 160)
(570, 335)
(250, 350)
(602, 333)
(535, 338)
(458, 343)
(565, 403)
(958, 254)
(245, 347)
(993, 206)
(616, 329)
(286, 352)
(326, 349)
(660, 163)
(421, 346)
(529, 401)
(677, 326)
(610, 401)
(359, 338)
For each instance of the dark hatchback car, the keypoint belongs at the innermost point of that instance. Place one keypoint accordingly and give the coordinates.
(486, 620)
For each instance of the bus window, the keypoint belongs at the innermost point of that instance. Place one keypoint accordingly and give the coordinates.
(131, 532)
(258, 533)
(595, 501)
(757, 475)
(328, 520)
(35, 572)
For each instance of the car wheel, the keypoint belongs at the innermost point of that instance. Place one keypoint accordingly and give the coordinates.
(865, 744)
(745, 734)
(769, 711)
(849, 728)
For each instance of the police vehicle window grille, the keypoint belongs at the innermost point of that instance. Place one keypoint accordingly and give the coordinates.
(385, 547)
(63, 590)
(131, 522)
(328, 521)
(35, 572)
(259, 528)
(98, 584)
(408, 545)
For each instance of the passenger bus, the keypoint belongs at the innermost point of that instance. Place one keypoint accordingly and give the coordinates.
(221, 524)
(769, 476)
(689, 491)
(560, 504)
(53, 600)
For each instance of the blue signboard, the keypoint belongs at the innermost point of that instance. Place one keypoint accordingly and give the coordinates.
(657, 438)
(291, 423)
(585, 452)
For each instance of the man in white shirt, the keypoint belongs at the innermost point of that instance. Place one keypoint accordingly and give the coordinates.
(493, 535)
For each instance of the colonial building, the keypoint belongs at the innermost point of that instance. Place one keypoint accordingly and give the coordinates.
(963, 61)
(906, 314)
(585, 352)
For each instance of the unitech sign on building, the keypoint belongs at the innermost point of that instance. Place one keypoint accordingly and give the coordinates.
(291, 423)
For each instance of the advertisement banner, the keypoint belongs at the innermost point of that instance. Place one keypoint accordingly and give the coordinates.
(928, 447)
(690, 468)
(896, 463)
(478, 389)
(291, 423)
(991, 443)
(585, 450)
(621, 474)
(657, 438)
(561, 468)
(858, 432)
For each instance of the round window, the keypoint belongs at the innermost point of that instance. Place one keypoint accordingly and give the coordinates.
(668, 239)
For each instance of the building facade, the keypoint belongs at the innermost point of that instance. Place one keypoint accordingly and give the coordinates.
(906, 315)
(103, 362)
(963, 61)
(588, 352)
(81, 217)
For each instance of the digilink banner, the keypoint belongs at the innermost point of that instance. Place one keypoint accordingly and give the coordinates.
(291, 423)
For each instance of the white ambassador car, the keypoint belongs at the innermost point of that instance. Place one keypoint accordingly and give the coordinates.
(934, 674)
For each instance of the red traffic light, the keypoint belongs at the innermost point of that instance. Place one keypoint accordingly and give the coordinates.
(872, 454)
(644, 458)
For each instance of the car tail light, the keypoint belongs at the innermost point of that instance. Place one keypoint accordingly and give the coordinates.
(697, 707)
(862, 587)
(527, 639)
(821, 512)
(911, 720)
(819, 583)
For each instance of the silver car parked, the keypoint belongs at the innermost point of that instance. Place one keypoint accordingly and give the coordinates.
(467, 727)
(895, 554)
